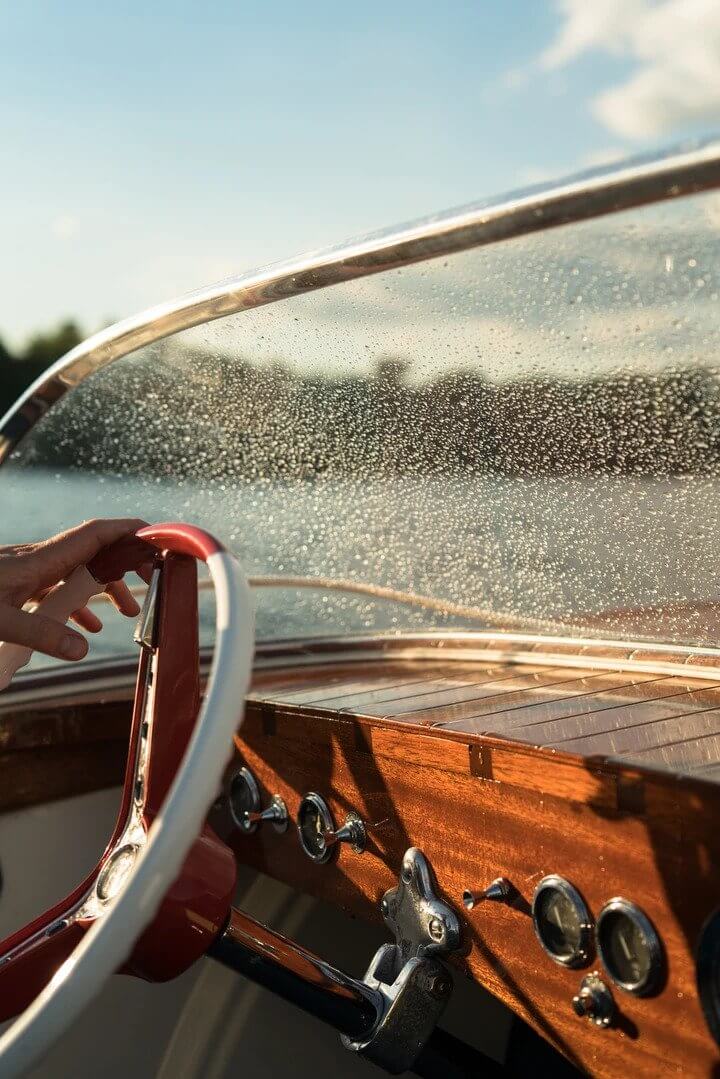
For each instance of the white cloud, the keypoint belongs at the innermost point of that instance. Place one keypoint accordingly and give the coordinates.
(676, 46)
(602, 24)
(64, 227)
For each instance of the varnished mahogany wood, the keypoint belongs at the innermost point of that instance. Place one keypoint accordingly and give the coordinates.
(643, 717)
(60, 751)
(481, 806)
(492, 768)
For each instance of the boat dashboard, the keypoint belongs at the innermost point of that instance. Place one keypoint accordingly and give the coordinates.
(560, 792)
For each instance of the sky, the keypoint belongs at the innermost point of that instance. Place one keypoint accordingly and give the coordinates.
(150, 149)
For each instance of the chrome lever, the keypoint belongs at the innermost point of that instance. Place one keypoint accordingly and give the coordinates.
(245, 804)
(317, 831)
(352, 832)
(144, 633)
(276, 814)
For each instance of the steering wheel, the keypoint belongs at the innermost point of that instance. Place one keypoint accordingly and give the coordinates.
(162, 890)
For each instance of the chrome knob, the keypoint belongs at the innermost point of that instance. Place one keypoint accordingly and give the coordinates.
(498, 891)
(318, 834)
(245, 805)
(352, 832)
(594, 1001)
(276, 814)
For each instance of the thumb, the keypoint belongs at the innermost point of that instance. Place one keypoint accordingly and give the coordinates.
(40, 633)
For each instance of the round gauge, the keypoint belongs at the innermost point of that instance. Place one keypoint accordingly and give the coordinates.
(244, 799)
(629, 947)
(708, 973)
(314, 823)
(562, 922)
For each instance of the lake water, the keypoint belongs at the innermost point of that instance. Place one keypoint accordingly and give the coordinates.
(542, 548)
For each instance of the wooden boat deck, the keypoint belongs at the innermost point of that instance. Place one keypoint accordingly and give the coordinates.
(643, 718)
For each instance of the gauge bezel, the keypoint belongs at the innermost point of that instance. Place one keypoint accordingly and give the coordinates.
(323, 809)
(583, 954)
(101, 890)
(651, 981)
(252, 784)
(707, 970)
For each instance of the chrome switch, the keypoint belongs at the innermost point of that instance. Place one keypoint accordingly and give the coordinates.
(245, 805)
(594, 1001)
(318, 834)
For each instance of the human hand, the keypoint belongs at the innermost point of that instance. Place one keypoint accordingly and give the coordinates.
(28, 572)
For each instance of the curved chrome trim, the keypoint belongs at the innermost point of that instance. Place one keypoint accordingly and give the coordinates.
(578, 198)
(112, 678)
(650, 981)
(581, 955)
(240, 821)
(311, 800)
(708, 964)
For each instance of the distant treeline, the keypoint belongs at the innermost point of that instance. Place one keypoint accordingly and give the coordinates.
(18, 370)
(211, 418)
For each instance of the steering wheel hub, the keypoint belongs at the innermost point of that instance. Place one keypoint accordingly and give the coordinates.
(116, 871)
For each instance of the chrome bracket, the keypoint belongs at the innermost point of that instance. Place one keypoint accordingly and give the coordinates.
(144, 634)
(409, 975)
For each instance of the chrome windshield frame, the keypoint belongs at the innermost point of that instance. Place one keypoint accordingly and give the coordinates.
(591, 194)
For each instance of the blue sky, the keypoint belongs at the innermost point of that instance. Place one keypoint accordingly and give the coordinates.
(150, 149)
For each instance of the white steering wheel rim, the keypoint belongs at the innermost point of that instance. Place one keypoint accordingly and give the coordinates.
(110, 940)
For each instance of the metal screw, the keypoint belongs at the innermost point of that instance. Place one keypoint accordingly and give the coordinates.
(439, 986)
(436, 928)
(384, 906)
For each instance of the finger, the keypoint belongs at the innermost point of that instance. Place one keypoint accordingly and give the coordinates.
(57, 557)
(87, 619)
(145, 571)
(123, 599)
(40, 633)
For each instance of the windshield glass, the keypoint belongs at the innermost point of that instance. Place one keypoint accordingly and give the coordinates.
(526, 434)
